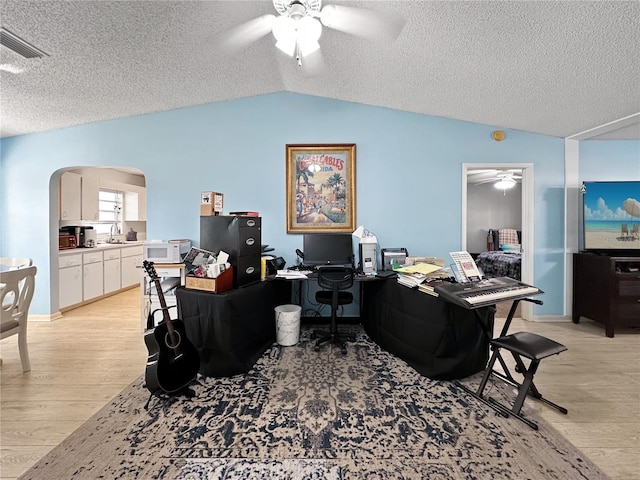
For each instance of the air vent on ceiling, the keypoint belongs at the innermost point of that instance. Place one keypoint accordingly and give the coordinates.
(18, 45)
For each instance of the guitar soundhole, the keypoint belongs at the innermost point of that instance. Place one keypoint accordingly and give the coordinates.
(172, 341)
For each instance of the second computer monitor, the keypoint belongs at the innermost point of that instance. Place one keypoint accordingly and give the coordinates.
(327, 249)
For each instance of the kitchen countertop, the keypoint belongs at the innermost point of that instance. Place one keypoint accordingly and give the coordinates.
(100, 246)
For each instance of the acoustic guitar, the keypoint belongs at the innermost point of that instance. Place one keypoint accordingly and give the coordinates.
(173, 361)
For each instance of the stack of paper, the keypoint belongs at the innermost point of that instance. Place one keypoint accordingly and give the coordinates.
(411, 280)
(414, 275)
(290, 274)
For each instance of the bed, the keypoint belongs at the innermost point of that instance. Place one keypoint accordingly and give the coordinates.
(500, 264)
(503, 258)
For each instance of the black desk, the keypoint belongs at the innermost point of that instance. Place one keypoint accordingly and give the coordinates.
(437, 338)
(232, 330)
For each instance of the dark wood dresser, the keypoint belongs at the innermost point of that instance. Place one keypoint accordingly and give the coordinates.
(606, 289)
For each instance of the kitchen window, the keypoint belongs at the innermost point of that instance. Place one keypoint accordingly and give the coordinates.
(109, 211)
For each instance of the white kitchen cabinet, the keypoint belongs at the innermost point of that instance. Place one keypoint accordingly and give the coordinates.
(135, 204)
(90, 199)
(79, 197)
(111, 269)
(70, 280)
(70, 196)
(92, 275)
(131, 263)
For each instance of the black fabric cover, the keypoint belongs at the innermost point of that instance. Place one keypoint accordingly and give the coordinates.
(437, 338)
(232, 330)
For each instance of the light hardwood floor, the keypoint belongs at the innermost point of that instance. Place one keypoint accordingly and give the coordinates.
(81, 361)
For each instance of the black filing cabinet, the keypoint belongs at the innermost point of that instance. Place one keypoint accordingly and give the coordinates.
(241, 238)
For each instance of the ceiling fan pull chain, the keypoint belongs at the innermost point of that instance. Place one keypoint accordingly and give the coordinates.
(298, 56)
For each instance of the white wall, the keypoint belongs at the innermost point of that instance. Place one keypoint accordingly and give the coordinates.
(489, 207)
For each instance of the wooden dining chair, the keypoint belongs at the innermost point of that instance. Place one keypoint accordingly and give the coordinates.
(16, 292)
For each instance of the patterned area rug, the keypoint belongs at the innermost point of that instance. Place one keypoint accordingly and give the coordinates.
(246, 469)
(366, 415)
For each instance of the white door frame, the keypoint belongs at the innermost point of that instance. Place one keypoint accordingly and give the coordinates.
(527, 219)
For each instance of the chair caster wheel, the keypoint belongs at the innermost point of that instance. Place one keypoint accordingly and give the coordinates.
(316, 348)
(344, 351)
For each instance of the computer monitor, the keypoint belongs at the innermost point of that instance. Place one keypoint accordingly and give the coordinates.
(327, 249)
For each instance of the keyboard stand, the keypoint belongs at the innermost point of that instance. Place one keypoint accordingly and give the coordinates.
(508, 378)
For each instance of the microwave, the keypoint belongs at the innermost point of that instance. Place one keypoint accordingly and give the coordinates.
(172, 251)
(66, 241)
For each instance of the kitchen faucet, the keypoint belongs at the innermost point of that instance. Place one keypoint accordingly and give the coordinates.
(115, 227)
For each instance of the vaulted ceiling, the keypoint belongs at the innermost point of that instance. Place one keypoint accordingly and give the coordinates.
(556, 68)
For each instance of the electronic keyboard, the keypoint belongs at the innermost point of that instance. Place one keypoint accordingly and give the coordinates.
(485, 292)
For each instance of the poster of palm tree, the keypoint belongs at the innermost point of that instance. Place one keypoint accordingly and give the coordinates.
(321, 183)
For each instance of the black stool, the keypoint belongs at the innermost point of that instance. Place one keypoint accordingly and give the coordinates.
(521, 344)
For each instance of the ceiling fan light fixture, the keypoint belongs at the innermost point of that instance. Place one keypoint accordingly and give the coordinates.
(284, 30)
(308, 34)
(328, 16)
(505, 183)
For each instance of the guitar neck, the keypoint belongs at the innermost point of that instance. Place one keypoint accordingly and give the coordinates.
(163, 305)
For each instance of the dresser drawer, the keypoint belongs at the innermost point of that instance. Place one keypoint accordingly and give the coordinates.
(628, 287)
(629, 312)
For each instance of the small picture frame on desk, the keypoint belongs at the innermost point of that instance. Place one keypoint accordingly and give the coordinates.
(321, 183)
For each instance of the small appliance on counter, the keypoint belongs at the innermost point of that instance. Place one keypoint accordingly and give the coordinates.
(172, 251)
(90, 238)
(132, 235)
(82, 234)
(66, 241)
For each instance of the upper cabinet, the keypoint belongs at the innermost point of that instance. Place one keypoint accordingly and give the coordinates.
(78, 197)
(90, 210)
(135, 204)
(70, 196)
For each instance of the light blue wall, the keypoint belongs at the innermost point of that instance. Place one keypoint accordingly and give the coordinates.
(408, 176)
(606, 161)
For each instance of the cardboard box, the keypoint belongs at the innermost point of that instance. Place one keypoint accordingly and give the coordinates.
(221, 284)
(211, 203)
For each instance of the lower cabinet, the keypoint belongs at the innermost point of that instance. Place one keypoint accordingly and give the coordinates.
(92, 275)
(70, 280)
(111, 267)
(131, 262)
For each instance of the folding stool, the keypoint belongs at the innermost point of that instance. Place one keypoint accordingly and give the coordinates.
(521, 344)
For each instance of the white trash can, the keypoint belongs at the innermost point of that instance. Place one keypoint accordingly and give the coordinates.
(288, 324)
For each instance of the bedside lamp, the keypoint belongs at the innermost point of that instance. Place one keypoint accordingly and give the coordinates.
(368, 250)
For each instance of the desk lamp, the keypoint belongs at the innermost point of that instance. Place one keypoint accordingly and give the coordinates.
(368, 250)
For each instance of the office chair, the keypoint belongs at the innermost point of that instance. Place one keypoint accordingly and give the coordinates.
(334, 281)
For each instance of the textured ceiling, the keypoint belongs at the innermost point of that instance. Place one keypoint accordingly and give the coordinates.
(554, 68)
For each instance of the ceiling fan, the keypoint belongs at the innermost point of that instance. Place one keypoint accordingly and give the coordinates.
(508, 177)
(297, 26)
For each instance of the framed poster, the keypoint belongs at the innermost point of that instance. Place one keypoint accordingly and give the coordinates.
(321, 188)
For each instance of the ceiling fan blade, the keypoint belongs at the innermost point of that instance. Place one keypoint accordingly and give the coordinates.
(483, 181)
(246, 33)
(362, 23)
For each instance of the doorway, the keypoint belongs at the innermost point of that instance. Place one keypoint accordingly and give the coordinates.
(474, 174)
